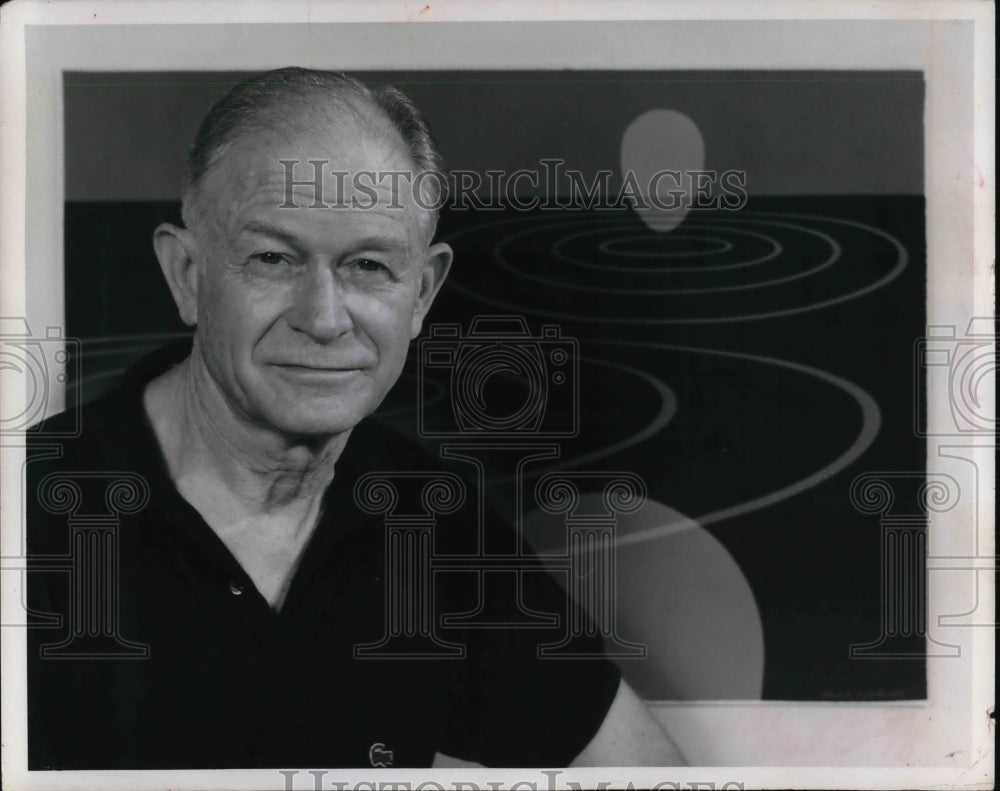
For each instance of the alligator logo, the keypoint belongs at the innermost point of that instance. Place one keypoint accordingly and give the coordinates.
(379, 756)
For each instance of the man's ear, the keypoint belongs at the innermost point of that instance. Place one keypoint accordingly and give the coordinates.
(175, 248)
(435, 268)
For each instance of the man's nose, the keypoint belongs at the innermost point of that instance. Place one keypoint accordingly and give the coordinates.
(320, 309)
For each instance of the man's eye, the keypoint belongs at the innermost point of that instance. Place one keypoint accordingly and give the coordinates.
(270, 259)
(369, 265)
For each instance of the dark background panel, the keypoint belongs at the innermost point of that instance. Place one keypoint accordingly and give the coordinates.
(740, 430)
(793, 133)
(842, 145)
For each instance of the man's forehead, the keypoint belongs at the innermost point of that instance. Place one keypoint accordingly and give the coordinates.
(341, 169)
(337, 155)
(325, 230)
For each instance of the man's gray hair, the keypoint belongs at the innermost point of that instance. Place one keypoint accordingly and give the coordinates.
(287, 99)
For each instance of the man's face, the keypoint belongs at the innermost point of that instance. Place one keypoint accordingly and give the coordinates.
(304, 315)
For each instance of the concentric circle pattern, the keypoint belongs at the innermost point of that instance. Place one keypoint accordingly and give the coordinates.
(721, 268)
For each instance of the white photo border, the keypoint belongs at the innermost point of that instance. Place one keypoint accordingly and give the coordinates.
(945, 741)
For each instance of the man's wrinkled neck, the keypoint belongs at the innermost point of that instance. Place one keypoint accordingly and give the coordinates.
(203, 435)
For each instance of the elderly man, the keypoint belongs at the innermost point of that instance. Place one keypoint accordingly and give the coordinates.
(248, 575)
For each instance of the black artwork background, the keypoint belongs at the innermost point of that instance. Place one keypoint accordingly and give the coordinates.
(846, 145)
(812, 560)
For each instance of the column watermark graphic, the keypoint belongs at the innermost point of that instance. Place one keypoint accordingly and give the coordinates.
(954, 391)
(93, 560)
(903, 596)
(410, 629)
(955, 368)
(511, 395)
(591, 556)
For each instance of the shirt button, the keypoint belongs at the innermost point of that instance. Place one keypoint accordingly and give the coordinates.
(236, 590)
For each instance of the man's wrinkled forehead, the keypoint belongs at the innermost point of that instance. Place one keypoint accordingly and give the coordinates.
(346, 166)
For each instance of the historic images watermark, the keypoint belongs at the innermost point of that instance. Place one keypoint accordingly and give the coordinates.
(551, 186)
(88, 504)
(321, 780)
(500, 439)
(953, 367)
(469, 428)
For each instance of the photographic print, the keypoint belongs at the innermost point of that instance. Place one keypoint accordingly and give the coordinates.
(452, 400)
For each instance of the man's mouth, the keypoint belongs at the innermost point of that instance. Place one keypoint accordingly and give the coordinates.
(314, 370)
(311, 367)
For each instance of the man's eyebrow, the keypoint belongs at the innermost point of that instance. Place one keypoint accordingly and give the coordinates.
(377, 242)
(267, 229)
(386, 244)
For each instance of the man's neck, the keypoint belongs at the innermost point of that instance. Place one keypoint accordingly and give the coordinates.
(213, 451)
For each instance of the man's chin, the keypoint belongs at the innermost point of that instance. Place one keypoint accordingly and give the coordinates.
(313, 410)
(306, 419)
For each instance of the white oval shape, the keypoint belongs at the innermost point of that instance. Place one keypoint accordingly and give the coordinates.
(655, 146)
(684, 598)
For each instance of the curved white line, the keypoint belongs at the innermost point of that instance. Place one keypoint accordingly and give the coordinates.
(611, 246)
(775, 251)
(871, 423)
(835, 253)
(668, 408)
(896, 271)
(605, 222)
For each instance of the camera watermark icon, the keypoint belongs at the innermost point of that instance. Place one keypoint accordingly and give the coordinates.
(959, 370)
(33, 366)
(503, 382)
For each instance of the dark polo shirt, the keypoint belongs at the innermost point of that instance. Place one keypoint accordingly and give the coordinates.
(199, 672)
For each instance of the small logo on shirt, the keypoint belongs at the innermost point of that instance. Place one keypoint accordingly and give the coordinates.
(379, 756)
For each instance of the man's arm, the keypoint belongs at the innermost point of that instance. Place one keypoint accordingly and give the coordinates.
(629, 736)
